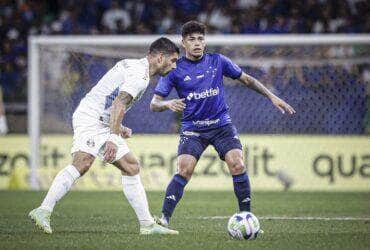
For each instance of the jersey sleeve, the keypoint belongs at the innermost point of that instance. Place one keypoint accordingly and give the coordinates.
(133, 84)
(164, 86)
(229, 68)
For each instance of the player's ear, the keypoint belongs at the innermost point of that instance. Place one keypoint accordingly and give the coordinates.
(162, 57)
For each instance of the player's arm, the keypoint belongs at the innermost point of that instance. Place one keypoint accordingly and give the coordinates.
(257, 86)
(162, 90)
(118, 109)
(159, 104)
(230, 69)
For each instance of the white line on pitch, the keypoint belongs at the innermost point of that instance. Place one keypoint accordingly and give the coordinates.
(293, 218)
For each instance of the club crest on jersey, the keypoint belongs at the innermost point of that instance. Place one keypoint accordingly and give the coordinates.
(204, 94)
(90, 142)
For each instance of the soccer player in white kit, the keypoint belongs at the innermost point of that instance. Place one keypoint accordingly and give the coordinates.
(98, 132)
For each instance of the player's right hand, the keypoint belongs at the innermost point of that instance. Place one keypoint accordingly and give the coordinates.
(125, 132)
(176, 105)
(110, 151)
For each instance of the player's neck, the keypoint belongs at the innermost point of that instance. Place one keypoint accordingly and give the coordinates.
(192, 58)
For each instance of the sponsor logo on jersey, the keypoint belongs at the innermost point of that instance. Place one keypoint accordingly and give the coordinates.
(205, 122)
(204, 94)
(187, 78)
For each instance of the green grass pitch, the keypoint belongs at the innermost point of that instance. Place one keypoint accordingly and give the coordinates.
(104, 220)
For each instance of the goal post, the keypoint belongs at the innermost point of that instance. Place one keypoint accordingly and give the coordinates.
(43, 51)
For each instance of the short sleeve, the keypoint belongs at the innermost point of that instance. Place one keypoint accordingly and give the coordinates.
(133, 84)
(164, 86)
(229, 68)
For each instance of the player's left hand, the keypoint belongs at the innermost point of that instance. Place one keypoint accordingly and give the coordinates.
(110, 151)
(282, 105)
(126, 132)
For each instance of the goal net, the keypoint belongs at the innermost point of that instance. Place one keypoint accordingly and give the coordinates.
(325, 78)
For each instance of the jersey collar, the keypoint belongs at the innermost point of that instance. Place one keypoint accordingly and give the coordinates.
(195, 62)
(145, 61)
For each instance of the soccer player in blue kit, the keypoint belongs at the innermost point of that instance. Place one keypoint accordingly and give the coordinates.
(205, 117)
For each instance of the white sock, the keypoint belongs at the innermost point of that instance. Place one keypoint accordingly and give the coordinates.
(135, 194)
(3, 126)
(60, 186)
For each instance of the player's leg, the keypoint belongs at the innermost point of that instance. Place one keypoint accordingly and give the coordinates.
(60, 186)
(175, 189)
(133, 188)
(189, 151)
(136, 196)
(85, 147)
(229, 148)
(64, 180)
(242, 189)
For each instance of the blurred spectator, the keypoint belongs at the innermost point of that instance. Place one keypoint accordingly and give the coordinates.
(18, 19)
(216, 17)
(167, 24)
(245, 4)
(9, 80)
(114, 15)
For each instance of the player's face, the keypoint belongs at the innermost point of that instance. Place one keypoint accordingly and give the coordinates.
(194, 45)
(168, 64)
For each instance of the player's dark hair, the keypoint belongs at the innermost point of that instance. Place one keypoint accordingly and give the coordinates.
(163, 45)
(192, 27)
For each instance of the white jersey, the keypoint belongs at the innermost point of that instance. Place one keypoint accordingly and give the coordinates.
(129, 75)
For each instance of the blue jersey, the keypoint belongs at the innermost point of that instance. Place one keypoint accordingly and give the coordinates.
(201, 84)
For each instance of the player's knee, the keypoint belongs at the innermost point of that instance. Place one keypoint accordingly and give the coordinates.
(185, 172)
(237, 167)
(83, 167)
(186, 165)
(83, 163)
(132, 169)
(135, 169)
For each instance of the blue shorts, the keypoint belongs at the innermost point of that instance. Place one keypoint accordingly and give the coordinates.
(223, 139)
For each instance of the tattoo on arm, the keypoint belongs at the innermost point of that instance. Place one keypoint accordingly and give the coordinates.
(125, 98)
(119, 106)
(254, 84)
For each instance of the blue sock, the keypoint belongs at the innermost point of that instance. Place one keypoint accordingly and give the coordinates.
(174, 193)
(242, 190)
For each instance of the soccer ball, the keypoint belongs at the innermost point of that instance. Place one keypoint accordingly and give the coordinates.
(244, 225)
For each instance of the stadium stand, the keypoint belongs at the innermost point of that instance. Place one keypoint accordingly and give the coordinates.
(312, 85)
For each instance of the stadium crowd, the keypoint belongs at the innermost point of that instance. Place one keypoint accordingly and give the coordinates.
(21, 18)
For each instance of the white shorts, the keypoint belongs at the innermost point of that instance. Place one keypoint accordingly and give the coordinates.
(90, 135)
